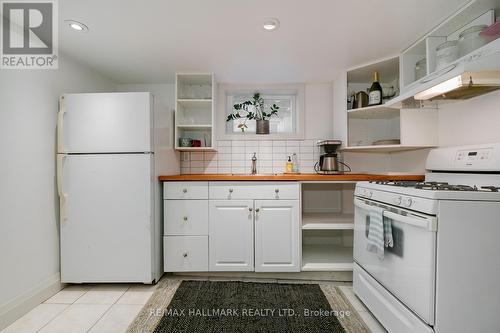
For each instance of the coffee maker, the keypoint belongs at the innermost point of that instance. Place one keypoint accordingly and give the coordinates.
(329, 163)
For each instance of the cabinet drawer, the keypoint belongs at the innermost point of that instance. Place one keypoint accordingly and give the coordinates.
(185, 190)
(185, 253)
(185, 217)
(251, 190)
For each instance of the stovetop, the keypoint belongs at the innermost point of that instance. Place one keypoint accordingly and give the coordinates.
(438, 186)
(424, 196)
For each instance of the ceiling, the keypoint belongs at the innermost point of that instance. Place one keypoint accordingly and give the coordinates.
(147, 41)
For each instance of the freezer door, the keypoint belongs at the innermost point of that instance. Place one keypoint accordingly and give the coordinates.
(107, 214)
(105, 123)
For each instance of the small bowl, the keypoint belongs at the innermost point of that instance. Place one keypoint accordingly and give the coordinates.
(185, 142)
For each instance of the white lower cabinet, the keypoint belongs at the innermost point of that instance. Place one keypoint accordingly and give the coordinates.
(250, 227)
(231, 235)
(185, 253)
(277, 241)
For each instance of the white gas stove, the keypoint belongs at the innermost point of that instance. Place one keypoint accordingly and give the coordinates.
(442, 273)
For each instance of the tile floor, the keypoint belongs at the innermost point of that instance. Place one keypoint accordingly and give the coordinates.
(111, 308)
(86, 308)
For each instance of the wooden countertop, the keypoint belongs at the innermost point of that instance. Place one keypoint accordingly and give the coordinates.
(293, 177)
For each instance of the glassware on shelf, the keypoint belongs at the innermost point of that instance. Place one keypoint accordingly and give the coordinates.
(187, 91)
(446, 53)
(420, 69)
(470, 39)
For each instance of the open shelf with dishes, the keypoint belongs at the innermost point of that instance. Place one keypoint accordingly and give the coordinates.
(383, 128)
(194, 112)
(327, 226)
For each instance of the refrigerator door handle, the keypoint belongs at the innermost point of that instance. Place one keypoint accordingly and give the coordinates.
(60, 122)
(60, 188)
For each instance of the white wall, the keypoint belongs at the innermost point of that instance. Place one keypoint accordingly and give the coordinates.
(29, 232)
(319, 111)
(167, 159)
(472, 121)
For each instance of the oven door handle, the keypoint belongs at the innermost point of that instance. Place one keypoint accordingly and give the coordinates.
(429, 223)
(361, 205)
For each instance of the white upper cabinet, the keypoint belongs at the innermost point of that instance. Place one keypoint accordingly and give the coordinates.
(231, 245)
(277, 241)
(424, 51)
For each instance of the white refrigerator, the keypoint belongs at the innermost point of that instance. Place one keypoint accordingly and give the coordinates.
(110, 225)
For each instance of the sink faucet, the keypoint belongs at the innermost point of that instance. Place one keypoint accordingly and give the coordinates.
(254, 164)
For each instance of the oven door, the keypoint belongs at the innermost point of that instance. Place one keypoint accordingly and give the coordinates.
(408, 269)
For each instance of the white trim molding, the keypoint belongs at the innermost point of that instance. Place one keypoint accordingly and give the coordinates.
(22, 304)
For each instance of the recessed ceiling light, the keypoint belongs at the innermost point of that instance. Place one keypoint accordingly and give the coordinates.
(77, 26)
(271, 24)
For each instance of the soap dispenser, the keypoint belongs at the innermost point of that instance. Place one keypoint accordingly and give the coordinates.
(289, 165)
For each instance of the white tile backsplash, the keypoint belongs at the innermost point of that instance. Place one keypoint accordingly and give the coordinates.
(196, 156)
(238, 143)
(235, 157)
(197, 164)
(224, 164)
(223, 143)
(278, 143)
(238, 150)
(224, 150)
(279, 149)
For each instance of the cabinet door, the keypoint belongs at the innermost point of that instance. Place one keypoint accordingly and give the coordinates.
(231, 235)
(277, 241)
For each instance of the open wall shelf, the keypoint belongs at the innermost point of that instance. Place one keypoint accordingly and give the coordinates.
(194, 111)
(368, 125)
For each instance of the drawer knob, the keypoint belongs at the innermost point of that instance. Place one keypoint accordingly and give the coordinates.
(184, 190)
(230, 190)
(250, 209)
(185, 218)
(257, 210)
(277, 190)
(185, 254)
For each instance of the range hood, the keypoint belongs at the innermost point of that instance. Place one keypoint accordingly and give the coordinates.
(463, 86)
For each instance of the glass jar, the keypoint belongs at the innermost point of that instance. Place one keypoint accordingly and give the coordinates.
(420, 69)
(446, 53)
(470, 40)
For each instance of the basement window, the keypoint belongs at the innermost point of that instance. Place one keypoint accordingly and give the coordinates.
(288, 123)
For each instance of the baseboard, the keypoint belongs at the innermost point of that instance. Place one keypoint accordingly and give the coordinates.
(19, 306)
(333, 276)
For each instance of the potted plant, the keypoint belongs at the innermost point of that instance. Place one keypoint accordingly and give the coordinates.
(254, 109)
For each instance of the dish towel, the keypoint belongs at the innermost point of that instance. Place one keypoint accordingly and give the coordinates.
(388, 240)
(379, 232)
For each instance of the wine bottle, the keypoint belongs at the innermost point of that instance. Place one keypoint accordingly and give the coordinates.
(375, 92)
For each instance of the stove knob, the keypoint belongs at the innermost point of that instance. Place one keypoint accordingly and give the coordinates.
(407, 202)
(368, 193)
(397, 200)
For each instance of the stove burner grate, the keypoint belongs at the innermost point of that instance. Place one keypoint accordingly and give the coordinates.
(437, 186)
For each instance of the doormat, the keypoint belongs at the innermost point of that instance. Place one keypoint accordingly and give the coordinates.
(233, 306)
